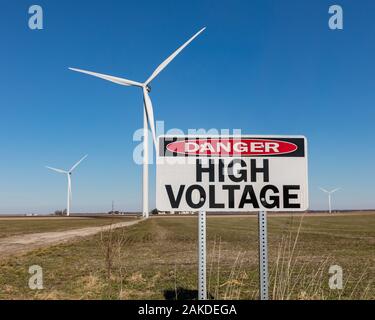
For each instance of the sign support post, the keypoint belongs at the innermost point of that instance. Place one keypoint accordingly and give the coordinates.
(202, 288)
(263, 256)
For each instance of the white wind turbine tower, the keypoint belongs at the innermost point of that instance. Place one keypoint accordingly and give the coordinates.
(329, 196)
(148, 114)
(68, 174)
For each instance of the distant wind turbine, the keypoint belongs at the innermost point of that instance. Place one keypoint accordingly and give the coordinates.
(329, 196)
(148, 114)
(68, 174)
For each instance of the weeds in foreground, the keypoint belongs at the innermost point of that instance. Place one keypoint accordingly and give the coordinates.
(292, 275)
(112, 245)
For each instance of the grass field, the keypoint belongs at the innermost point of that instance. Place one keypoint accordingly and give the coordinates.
(157, 259)
(15, 226)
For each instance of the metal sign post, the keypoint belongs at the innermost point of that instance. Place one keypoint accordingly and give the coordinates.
(202, 289)
(263, 256)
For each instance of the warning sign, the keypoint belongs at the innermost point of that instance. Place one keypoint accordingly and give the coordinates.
(232, 173)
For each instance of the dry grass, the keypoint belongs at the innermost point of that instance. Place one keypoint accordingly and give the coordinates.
(15, 226)
(157, 259)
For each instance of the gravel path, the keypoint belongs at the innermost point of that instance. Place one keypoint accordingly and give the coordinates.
(27, 242)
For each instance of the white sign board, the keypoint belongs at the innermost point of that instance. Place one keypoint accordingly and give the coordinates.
(232, 173)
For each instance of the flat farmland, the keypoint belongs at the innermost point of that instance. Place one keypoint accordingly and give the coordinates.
(10, 226)
(157, 259)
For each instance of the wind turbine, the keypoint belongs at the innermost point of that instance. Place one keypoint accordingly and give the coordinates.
(148, 114)
(68, 174)
(329, 196)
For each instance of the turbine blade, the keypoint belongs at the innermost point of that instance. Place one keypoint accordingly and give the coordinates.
(334, 190)
(77, 163)
(150, 113)
(324, 190)
(122, 81)
(171, 57)
(57, 170)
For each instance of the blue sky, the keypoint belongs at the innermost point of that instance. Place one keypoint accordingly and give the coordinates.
(265, 67)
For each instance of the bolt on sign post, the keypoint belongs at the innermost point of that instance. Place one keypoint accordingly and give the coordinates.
(232, 174)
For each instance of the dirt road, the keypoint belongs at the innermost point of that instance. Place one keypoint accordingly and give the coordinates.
(27, 242)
